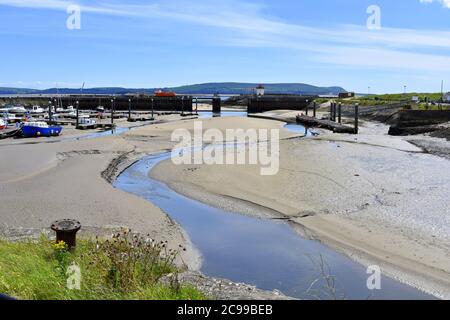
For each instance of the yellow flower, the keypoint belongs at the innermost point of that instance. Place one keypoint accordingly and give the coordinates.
(61, 245)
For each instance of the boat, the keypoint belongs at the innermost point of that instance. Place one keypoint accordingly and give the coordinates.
(100, 109)
(160, 93)
(36, 110)
(3, 124)
(86, 121)
(9, 117)
(18, 109)
(40, 129)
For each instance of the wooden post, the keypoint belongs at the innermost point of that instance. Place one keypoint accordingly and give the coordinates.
(340, 113)
(315, 109)
(335, 112)
(77, 122)
(129, 109)
(50, 113)
(112, 111)
(153, 108)
(356, 118)
(331, 110)
(307, 107)
(182, 106)
(196, 105)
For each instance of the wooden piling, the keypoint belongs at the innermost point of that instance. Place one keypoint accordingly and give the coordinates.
(335, 112)
(340, 113)
(307, 107)
(315, 109)
(153, 108)
(77, 122)
(129, 109)
(112, 111)
(356, 118)
(50, 116)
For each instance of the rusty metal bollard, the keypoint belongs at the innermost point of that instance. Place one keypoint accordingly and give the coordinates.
(66, 230)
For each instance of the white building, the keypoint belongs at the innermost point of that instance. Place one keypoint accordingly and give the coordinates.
(447, 97)
(260, 90)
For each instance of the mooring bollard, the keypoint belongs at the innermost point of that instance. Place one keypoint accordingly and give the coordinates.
(66, 230)
(340, 113)
(356, 118)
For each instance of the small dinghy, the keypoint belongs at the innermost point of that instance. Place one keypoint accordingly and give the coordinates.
(40, 129)
(2, 124)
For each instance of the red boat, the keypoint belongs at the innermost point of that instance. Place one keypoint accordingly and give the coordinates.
(160, 93)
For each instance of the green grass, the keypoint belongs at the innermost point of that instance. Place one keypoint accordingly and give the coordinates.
(37, 271)
(384, 99)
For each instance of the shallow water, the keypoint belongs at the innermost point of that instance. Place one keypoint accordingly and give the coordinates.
(264, 253)
(210, 114)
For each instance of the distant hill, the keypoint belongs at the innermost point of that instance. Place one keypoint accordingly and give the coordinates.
(18, 91)
(205, 88)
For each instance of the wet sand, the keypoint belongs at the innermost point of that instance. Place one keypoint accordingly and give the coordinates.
(378, 199)
(47, 179)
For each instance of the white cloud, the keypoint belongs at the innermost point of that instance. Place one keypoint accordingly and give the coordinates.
(445, 3)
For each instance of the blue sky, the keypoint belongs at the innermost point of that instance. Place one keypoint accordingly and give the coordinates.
(160, 43)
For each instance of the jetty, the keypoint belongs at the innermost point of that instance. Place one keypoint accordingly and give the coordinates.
(325, 124)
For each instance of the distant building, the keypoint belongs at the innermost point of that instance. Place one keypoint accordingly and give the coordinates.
(447, 97)
(415, 99)
(260, 90)
(344, 95)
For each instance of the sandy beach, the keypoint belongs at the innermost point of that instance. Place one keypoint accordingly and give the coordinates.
(378, 199)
